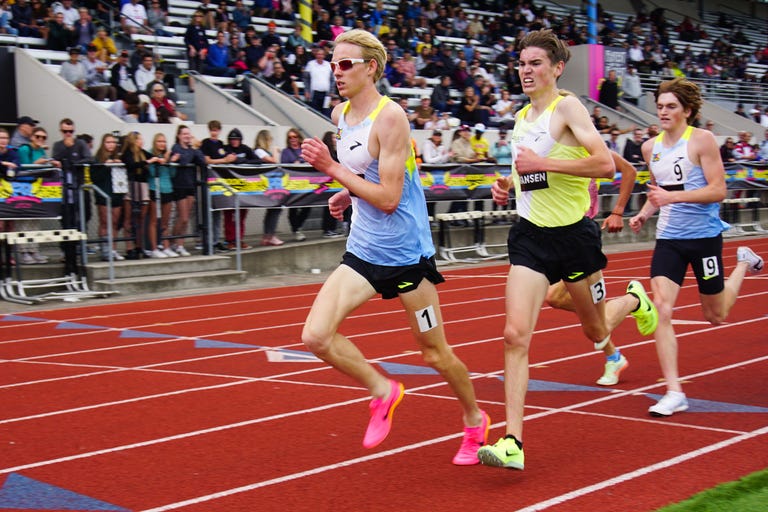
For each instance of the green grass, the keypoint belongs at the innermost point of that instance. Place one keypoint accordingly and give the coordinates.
(749, 494)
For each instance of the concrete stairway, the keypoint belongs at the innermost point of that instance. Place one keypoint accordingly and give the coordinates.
(156, 275)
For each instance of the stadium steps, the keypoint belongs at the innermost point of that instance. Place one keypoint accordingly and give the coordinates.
(162, 275)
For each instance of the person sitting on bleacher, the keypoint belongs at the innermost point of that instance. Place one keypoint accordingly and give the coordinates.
(161, 108)
(59, 36)
(133, 18)
(217, 61)
(122, 77)
(144, 73)
(241, 15)
(23, 21)
(71, 15)
(74, 71)
(106, 50)
(157, 18)
(270, 37)
(84, 29)
(197, 45)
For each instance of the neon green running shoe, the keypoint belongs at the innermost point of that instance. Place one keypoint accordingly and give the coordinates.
(503, 454)
(646, 316)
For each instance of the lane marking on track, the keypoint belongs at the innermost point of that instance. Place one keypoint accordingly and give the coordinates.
(543, 505)
(282, 376)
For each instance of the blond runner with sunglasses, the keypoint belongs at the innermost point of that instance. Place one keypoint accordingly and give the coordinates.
(389, 249)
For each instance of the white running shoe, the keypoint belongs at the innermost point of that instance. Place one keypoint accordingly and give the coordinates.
(181, 251)
(612, 370)
(170, 253)
(754, 262)
(27, 259)
(116, 256)
(158, 254)
(39, 258)
(672, 402)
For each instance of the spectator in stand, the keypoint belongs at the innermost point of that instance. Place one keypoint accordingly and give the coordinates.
(505, 109)
(144, 73)
(726, 151)
(217, 60)
(128, 109)
(253, 54)
(267, 62)
(106, 51)
(469, 112)
(162, 109)
(270, 37)
(423, 113)
(462, 149)
(189, 159)
(24, 22)
(501, 151)
(84, 29)
(740, 111)
(329, 224)
(60, 37)
(133, 18)
(122, 76)
(197, 45)
(318, 80)
(160, 176)
(267, 153)
(33, 153)
(9, 163)
(71, 15)
(111, 180)
(291, 154)
(631, 152)
(74, 71)
(209, 14)
(157, 19)
(244, 155)
(631, 89)
(222, 17)
(743, 151)
(433, 151)
(609, 90)
(98, 87)
(241, 15)
(281, 80)
(480, 144)
(613, 140)
(140, 51)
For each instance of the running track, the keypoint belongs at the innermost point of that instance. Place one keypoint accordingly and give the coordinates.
(211, 403)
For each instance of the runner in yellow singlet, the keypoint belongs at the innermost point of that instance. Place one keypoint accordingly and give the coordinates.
(558, 152)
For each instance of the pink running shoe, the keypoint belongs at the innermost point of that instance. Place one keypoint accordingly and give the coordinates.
(381, 415)
(474, 438)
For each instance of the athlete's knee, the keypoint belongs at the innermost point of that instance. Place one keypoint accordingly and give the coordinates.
(665, 311)
(713, 316)
(517, 336)
(317, 341)
(438, 358)
(595, 332)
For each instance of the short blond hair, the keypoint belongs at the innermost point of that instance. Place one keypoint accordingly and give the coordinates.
(372, 48)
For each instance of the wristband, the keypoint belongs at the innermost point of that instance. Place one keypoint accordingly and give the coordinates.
(614, 213)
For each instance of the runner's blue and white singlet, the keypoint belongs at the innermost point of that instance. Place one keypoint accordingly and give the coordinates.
(396, 239)
(673, 170)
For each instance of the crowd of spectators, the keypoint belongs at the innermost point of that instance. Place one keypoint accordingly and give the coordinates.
(440, 48)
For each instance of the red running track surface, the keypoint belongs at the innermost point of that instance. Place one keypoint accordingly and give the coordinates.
(211, 403)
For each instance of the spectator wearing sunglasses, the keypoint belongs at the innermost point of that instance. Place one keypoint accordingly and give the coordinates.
(33, 153)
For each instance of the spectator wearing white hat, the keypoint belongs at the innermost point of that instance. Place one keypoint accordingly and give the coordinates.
(422, 113)
(480, 144)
